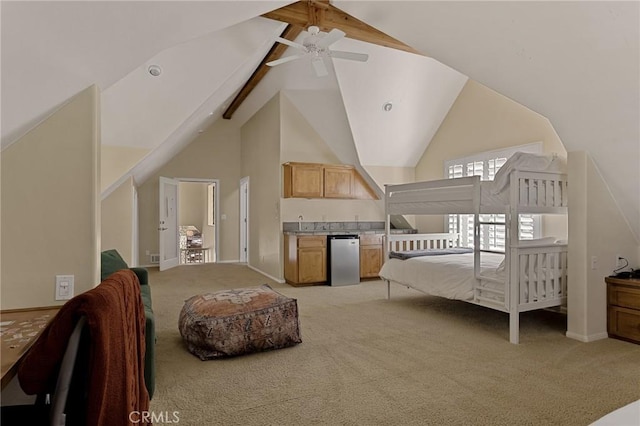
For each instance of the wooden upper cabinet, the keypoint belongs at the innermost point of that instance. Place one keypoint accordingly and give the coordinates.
(313, 180)
(303, 180)
(338, 182)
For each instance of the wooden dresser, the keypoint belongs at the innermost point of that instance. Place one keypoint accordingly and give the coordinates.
(623, 308)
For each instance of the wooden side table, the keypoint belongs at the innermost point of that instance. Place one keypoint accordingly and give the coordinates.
(623, 308)
(19, 329)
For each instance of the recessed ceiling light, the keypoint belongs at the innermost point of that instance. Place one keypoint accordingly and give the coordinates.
(387, 106)
(155, 70)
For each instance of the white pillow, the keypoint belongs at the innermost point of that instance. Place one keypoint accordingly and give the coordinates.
(523, 161)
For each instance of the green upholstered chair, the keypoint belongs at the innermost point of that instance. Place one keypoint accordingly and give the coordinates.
(111, 262)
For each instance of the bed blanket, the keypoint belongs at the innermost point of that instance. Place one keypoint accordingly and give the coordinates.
(403, 255)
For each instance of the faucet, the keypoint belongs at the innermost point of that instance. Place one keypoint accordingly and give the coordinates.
(300, 218)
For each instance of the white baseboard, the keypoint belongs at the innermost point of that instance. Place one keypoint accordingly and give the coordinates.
(229, 261)
(278, 280)
(587, 338)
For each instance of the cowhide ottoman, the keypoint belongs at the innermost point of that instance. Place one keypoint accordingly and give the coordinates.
(239, 321)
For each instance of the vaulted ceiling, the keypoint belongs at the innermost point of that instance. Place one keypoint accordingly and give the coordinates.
(577, 63)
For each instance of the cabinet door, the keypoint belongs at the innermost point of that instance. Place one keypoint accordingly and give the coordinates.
(312, 265)
(304, 181)
(370, 261)
(290, 258)
(338, 182)
(624, 323)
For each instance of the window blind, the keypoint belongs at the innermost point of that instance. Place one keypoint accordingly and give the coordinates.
(486, 165)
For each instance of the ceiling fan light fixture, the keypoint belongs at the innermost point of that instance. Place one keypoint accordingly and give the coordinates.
(316, 45)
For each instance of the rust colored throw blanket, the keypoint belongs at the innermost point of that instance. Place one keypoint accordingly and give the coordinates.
(115, 317)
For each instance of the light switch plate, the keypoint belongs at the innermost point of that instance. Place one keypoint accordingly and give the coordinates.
(64, 287)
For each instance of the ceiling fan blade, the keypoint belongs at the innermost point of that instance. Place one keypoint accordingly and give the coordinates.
(319, 67)
(290, 43)
(333, 36)
(284, 60)
(361, 57)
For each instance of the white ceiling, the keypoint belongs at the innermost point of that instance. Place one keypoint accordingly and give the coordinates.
(574, 62)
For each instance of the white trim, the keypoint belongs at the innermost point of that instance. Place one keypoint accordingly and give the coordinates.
(231, 261)
(134, 228)
(278, 280)
(586, 338)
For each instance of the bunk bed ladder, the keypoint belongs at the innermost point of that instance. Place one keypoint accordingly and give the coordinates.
(483, 293)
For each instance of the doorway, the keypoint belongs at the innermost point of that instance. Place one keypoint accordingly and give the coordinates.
(197, 221)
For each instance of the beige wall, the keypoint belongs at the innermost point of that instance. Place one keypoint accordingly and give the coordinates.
(117, 221)
(300, 142)
(215, 154)
(384, 175)
(261, 163)
(484, 120)
(116, 161)
(597, 231)
(50, 207)
(193, 204)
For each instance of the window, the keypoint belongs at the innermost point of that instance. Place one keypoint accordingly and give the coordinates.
(486, 165)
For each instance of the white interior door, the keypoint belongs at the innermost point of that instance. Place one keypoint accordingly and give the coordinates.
(168, 226)
(244, 219)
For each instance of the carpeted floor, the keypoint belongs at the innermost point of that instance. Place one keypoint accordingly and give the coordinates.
(364, 360)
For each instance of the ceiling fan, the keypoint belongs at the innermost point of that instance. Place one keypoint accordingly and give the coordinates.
(316, 45)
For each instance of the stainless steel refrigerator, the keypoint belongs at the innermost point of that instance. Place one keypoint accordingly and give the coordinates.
(343, 260)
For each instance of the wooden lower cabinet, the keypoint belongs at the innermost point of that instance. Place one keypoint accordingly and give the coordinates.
(623, 309)
(370, 255)
(305, 259)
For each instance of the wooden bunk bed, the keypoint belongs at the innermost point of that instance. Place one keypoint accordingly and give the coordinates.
(530, 274)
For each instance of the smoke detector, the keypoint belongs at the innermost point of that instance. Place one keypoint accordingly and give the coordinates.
(155, 70)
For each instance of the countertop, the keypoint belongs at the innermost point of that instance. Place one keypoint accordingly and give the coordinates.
(350, 232)
(339, 228)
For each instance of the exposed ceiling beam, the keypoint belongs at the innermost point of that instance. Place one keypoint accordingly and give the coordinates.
(276, 51)
(301, 15)
(327, 17)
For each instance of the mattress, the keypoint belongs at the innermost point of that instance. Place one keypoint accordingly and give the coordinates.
(450, 276)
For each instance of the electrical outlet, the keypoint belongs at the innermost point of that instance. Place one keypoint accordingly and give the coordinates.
(594, 262)
(619, 261)
(64, 287)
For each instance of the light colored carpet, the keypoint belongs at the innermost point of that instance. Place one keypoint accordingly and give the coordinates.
(364, 360)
